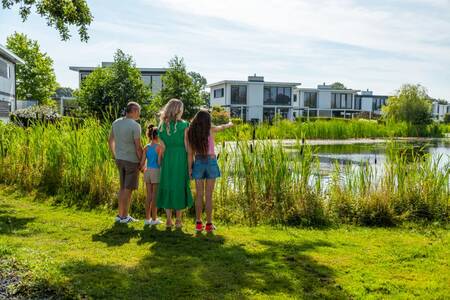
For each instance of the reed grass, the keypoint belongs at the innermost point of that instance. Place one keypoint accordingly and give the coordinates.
(331, 129)
(261, 183)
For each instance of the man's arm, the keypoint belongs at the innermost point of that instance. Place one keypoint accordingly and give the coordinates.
(137, 141)
(112, 144)
(138, 146)
(221, 127)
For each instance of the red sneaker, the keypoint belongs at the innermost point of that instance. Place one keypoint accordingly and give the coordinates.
(210, 227)
(199, 227)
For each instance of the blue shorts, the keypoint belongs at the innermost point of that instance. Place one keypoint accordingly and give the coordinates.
(205, 168)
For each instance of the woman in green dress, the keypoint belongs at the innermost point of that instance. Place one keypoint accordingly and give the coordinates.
(174, 188)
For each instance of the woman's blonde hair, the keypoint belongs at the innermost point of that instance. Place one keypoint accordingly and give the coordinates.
(171, 112)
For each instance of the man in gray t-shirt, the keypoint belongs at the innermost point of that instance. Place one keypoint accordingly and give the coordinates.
(125, 145)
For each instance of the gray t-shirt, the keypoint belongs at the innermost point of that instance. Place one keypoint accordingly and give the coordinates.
(125, 131)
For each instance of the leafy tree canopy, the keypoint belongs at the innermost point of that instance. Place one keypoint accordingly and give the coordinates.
(36, 79)
(178, 83)
(105, 92)
(59, 14)
(338, 86)
(411, 104)
(64, 92)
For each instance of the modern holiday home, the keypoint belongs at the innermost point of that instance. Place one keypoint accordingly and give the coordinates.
(151, 76)
(8, 62)
(256, 99)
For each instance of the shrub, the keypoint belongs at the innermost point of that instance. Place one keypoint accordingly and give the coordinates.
(38, 113)
(219, 115)
(447, 118)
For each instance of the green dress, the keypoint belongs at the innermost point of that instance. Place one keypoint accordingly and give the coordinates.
(174, 187)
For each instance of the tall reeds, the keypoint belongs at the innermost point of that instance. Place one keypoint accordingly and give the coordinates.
(261, 182)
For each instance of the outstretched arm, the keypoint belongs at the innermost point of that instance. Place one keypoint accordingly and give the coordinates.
(222, 127)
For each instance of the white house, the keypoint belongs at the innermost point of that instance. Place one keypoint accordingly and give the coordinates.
(254, 99)
(8, 62)
(151, 76)
(439, 110)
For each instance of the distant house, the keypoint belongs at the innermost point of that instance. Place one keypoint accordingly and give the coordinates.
(256, 99)
(439, 109)
(8, 62)
(150, 76)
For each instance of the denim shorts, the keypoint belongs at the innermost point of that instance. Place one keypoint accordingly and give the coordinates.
(205, 168)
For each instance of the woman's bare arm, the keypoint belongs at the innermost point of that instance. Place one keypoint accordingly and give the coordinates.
(221, 127)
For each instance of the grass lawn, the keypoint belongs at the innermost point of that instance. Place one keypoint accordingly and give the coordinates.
(63, 252)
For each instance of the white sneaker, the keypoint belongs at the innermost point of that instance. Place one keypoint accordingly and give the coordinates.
(128, 219)
(155, 222)
(148, 222)
(117, 219)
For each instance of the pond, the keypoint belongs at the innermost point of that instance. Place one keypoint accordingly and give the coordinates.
(375, 154)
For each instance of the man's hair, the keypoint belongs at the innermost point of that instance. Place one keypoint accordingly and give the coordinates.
(132, 106)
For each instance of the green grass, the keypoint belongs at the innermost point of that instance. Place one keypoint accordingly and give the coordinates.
(66, 253)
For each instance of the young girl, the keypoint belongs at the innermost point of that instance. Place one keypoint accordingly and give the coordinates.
(204, 169)
(174, 190)
(153, 155)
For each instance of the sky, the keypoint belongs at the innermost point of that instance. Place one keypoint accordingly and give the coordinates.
(377, 45)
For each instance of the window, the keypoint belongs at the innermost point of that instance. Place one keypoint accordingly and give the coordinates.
(377, 103)
(277, 95)
(342, 101)
(358, 102)
(310, 99)
(4, 69)
(268, 113)
(218, 93)
(238, 94)
(295, 98)
(238, 112)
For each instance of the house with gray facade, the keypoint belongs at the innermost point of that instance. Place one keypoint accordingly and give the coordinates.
(150, 76)
(8, 100)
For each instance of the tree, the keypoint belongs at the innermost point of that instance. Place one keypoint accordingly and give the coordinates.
(411, 104)
(177, 83)
(59, 14)
(201, 82)
(64, 92)
(106, 91)
(338, 86)
(36, 79)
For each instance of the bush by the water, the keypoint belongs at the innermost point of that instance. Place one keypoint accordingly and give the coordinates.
(33, 114)
(261, 182)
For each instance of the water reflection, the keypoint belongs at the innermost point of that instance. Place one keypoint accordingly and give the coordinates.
(376, 155)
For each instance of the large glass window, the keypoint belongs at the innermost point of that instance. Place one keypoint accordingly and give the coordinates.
(238, 94)
(218, 93)
(357, 102)
(156, 84)
(377, 103)
(277, 95)
(268, 113)
(238, 112)
(310, 99)
(342, 101)
(4, 69)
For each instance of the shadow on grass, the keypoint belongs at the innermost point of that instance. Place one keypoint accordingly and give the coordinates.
(180, 265)
(10, 224)
(117, 235)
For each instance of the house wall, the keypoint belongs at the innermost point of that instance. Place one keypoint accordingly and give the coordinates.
(255, 97)
(324, 99)
(218, 101)
(7, 91)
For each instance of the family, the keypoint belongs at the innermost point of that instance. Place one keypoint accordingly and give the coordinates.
(176, 153)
